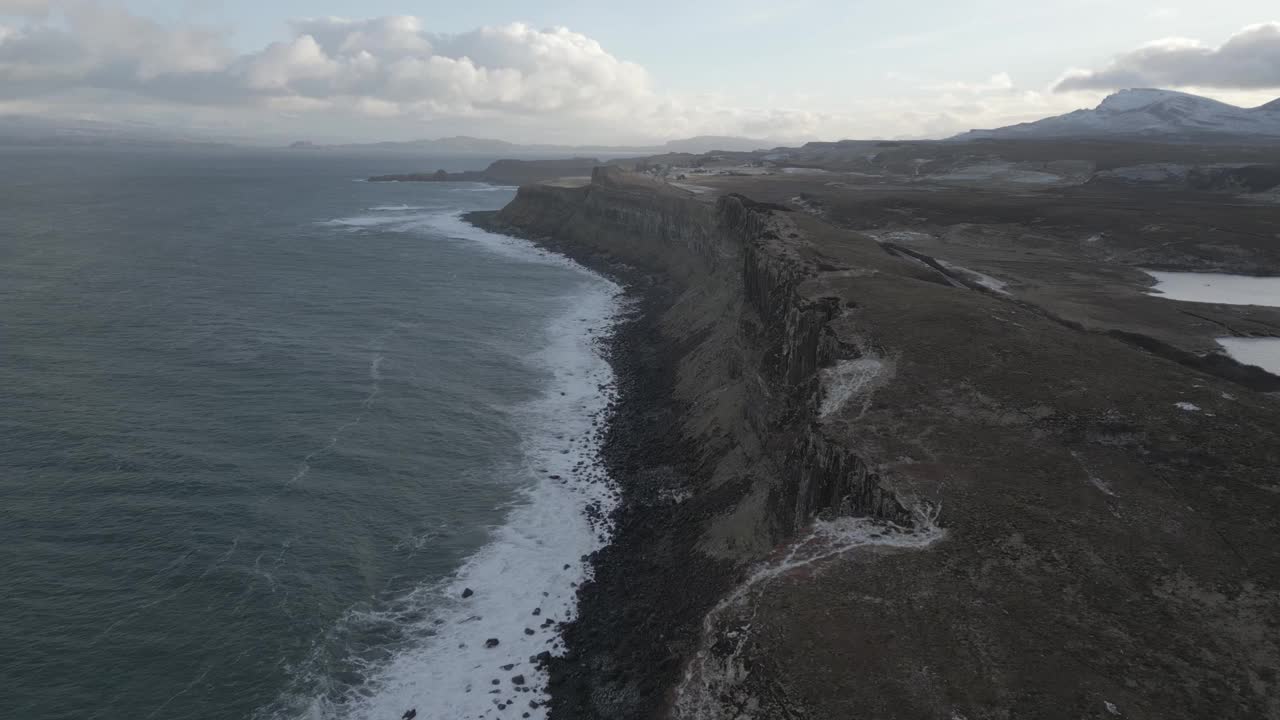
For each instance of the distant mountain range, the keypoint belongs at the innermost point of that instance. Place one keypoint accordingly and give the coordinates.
(1142, 114)
(35, 131)
(466, 145)
(1160, 115)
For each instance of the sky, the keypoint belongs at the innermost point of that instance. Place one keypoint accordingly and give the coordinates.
(566, 71)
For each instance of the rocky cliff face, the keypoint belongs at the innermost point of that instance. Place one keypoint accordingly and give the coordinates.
(754, 378)
(1108, 542)
(758, 365)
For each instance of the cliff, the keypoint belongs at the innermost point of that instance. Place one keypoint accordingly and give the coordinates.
(742, 272)
(856, 487)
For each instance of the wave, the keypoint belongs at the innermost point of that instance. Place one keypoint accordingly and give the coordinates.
(449, 224)
(394, 217)
(432, 649)
(398, 208)
(369, 221)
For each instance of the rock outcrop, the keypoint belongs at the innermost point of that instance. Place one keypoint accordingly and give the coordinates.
(741, 270)
(876, 493)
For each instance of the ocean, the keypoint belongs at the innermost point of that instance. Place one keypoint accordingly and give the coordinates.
(279, 443)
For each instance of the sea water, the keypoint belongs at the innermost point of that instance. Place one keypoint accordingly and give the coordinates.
(264, 425)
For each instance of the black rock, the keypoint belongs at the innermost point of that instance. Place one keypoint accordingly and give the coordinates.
(537, 611)
(518, 680)
(491, 643)
(467, 593)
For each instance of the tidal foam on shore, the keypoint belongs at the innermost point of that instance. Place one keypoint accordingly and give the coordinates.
(468, 646)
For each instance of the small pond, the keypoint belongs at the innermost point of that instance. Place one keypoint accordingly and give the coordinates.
(1217, 288)
(1263, 352)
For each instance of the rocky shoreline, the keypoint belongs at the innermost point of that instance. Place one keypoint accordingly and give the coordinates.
(625, 651)
(921, 495)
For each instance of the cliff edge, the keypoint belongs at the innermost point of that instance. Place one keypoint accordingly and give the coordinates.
(859, 486)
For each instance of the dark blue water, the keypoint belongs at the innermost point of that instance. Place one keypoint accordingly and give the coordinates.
(260, 423)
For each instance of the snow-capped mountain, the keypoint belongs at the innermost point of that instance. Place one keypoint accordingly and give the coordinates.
(1151, 114)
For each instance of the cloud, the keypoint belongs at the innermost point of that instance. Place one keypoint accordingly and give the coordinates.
(544, 81)
(1248, 60)
(998, 83)
(395, 77)
(24, 7)
(98, 47)
(390, 65)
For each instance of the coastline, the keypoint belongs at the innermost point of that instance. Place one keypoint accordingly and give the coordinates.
(799, 399)
(475, 638)
(626, 648)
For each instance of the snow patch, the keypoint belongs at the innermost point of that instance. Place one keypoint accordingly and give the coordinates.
(847, 380)
(695, 189)
(998, 172)
(807, 205)
(712, 688)
(986, 281)
(1188, 407)
(1155, 113)
(906, 237)
(804, 171)
(1148, 173)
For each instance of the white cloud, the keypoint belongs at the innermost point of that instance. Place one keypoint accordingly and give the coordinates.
(100, 47)
(1000, 82)
(24, 7)
(394, 77)
(1250, 59)
(390, 65)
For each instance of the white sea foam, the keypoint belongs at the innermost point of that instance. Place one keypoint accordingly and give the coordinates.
(449, 224)
(393, 217)
(382, 217)
(533, 561)
(452, 226)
